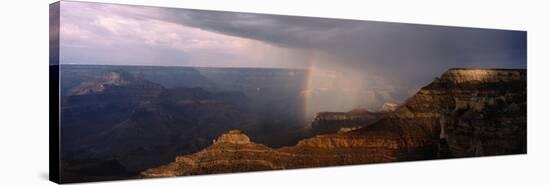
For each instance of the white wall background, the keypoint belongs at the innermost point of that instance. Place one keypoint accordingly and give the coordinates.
(24, 91)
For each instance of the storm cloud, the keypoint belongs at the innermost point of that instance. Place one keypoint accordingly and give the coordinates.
(387, 61)
(395, 48)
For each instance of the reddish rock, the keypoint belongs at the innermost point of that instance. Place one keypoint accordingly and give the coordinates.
(480, 112)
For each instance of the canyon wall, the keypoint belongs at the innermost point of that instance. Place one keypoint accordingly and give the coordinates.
(332, 122)
(463, 113)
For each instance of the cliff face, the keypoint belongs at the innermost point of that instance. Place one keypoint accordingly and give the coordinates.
(487, 112)
(475, 112)
(332, 122)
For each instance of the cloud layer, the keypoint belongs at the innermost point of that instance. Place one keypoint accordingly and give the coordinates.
(372, 59)
(128, 35)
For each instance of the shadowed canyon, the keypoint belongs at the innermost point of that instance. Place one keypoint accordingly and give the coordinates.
(122, 122)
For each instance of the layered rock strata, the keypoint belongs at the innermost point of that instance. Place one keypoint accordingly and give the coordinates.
(332, 122)
(464, 113)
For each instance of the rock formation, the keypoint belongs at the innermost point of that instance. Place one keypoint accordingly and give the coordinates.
(332, 122)
(232, 151)
(110, 81)
(389, 107)
(473, 112)
(488, 111)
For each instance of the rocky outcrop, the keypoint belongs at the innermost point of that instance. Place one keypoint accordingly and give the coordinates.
(332, 122)
(465, 112)
(99, 84)
(232, 151)
(388, 107)
(233, 137)
(117, 82)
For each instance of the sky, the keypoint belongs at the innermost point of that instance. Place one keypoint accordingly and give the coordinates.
(365, 56)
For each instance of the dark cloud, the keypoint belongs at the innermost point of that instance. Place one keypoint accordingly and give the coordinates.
(417, 51)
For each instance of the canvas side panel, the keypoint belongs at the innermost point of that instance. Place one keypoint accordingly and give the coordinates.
(54, 92)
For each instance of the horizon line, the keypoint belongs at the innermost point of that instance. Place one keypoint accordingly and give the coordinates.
(187, 66)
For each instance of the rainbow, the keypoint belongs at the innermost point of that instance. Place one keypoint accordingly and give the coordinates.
(313, 57)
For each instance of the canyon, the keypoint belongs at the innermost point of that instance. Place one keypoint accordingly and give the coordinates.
(466, 112)
(120, 120)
